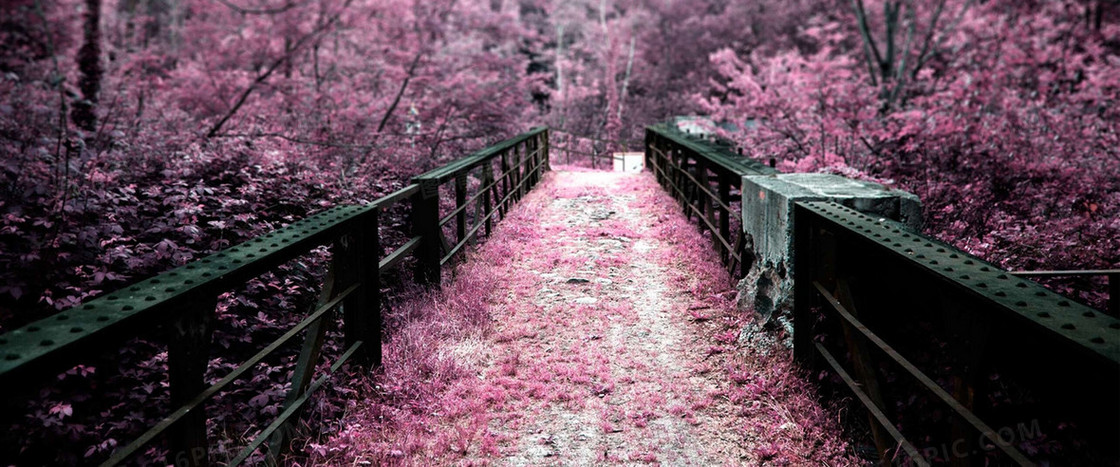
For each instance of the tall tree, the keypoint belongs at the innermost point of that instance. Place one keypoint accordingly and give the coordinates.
(84, 112)
(892, 64)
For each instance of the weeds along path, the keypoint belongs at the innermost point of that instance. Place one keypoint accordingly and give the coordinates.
(595, 327)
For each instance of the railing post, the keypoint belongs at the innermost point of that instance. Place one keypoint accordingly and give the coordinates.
(354, 259)
(506, 177)
(1114, 295)
(530, 163)
(968, 334)
(547, 147)
(804, 295)
(648, 145)
(594, 155)
(309, 354)
(518, 172)
(864, 369)
(525, 155)
(724, 214)
(700, 194)
(487, 180)
(361, 310)
(678, 168)
(535, 162)
(425, 224)
(188, 354)
(460, 200)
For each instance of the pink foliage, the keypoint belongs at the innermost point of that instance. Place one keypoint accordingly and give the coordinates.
(1006, 127)
(221, 121)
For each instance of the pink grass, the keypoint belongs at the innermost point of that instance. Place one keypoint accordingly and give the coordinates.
(475, 369)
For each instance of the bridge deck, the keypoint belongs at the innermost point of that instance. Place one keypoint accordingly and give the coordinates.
(596, 326)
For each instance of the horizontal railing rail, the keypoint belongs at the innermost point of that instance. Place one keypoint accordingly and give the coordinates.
(181, 302)
(1112, 275)
(706, 178)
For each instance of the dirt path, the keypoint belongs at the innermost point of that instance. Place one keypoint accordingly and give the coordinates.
(596, 327)
(607, 338)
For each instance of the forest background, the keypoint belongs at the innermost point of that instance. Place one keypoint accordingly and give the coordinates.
(137, 135)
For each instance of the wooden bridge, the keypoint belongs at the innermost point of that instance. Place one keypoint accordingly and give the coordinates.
(893, 314)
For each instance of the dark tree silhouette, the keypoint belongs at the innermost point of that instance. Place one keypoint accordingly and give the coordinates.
(84, 113)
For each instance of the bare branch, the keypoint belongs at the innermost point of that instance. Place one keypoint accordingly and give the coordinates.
(262, 11)
(890, 17)
(923, 58)
(900, 71)
(332, 144)
(297, 140)
(912, 21)
(927, 41)
(400, 91)
(626, 80)
(261, 78)
(870, 49)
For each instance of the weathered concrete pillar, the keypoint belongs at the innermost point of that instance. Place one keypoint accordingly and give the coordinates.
(767, 204)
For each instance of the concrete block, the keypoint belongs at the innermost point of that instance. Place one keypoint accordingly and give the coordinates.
(767, 204)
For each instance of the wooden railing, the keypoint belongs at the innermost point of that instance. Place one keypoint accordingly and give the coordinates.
(899, 317)
(181, 302)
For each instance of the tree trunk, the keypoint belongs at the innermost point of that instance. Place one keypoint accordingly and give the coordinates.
(84, 112)
(626, 79)
(560, 71)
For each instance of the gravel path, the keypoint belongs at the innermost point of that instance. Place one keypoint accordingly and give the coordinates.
(613, 341)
